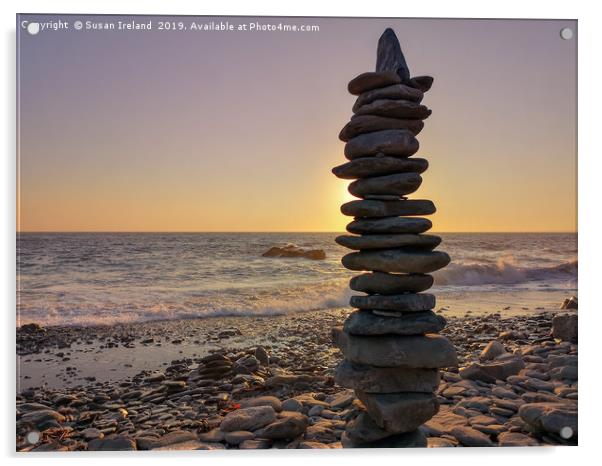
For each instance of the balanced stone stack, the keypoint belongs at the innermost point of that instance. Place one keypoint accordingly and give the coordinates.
(390, 342)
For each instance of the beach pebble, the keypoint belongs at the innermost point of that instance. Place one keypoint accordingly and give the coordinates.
(248, 418)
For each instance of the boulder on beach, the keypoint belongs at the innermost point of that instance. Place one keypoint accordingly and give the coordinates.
(565, 327)
(290, 250)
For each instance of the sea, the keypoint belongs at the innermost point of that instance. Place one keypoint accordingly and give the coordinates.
(110, 278)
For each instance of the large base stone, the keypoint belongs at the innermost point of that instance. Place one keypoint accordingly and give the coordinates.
(399, 412)
(565, 327)
(414, 439)
(413, 323)
(428, 352)
(372, 379)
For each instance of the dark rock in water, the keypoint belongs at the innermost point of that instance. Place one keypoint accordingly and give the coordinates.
(393, 92)
(395, 109)
(565, 327)
(112, 443)
(409, 302)
(399, 412)
(389, 225)
(396, 260)
(377, 166)
(384, 241)
(372, 379)
(394, 142)
(389, 56)
(31, 328)
(386, 283)
(413, 323)
(295, 251)
(361, 124)
(398, 184)
(372, 80)
(371, 208)
(415, 439)
(551, 417)
(570, 303)
(420, 352)
(422, 83)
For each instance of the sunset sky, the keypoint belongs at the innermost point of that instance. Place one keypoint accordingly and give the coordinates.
(238, 131)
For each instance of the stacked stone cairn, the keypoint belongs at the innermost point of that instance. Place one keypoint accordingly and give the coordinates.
(390, 342)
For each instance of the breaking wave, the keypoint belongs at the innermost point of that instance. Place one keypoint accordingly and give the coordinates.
(505, 271)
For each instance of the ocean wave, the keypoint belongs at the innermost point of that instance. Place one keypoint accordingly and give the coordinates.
(82, 310)
(505, 271)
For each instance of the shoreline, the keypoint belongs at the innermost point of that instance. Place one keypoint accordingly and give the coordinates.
(151, 370)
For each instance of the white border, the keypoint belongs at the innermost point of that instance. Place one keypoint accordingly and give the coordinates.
(590, 174)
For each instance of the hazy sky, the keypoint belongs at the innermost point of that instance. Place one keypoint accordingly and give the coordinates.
(237, 131)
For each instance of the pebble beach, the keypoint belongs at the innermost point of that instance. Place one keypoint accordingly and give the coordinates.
(269, 382)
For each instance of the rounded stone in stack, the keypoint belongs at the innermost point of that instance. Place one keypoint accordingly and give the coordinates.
(389, 283)
(379, 165)
(394, 142)
(361, 124)
(398, 185)
(373, 208)
(369, 226)
(389, 241)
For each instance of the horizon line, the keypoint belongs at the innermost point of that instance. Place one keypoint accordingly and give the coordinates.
(273, 231)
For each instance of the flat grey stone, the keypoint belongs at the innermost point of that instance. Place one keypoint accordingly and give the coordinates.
(393, 92)
(389, 56)
(550, 417)
(422, 83)
(399, 240)
(370, 208)
(389, 225)
(361, 124)
(413, 323)
(398, 184)
(420, 352)
(250, 419)
(396, 260)
(372, 80)
(498, 369)
(410, 302)
(288, 427)
(378, 166)
(395, 109)
(395, 142)
(399, 412)
(386, 283)
(372, 379)
(470, 437)
(415, 439)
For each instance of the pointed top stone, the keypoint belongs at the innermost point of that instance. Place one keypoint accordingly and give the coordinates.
(389, 56)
